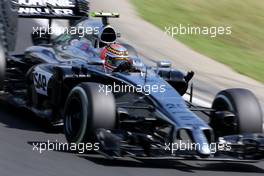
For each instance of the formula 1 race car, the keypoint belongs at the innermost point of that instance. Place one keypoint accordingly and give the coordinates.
(137, 112)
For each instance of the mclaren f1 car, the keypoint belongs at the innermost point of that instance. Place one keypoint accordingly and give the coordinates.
(146, 117)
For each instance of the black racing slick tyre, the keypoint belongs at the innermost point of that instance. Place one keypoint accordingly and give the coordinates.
(8, 27)
(86, 110)
(3, 52)
(3, 46)
(246, 108)
(9, 20)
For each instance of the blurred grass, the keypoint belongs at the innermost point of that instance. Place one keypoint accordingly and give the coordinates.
(243, 50)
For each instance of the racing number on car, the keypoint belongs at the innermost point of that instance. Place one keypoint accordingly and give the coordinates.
(40, 81)
(174, 108)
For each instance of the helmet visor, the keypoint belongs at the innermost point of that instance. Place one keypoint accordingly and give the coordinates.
(116, 61)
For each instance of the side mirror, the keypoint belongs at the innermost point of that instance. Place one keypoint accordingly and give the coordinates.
(164, 64)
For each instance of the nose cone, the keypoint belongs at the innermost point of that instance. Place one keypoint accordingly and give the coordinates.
(204, 150)
(203, 147)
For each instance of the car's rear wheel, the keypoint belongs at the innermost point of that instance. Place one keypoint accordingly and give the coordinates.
(3, 47)
(2, 57)
(86, 110)
(8, 28)
(246, 108)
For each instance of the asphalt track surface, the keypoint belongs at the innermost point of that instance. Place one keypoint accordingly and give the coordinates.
(18, 129)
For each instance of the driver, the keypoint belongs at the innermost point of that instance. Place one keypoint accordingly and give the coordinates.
(115, 55)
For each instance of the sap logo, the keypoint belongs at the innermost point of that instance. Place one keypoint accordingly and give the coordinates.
(40, 81)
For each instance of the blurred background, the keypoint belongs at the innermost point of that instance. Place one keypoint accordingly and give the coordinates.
(243, 50)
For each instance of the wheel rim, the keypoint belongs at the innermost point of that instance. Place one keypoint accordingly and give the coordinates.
(224, 104)
(230, 125)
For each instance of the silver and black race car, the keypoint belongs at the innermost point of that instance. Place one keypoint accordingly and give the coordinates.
(136, 111)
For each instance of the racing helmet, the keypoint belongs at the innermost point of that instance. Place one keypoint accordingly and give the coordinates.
(114, 55)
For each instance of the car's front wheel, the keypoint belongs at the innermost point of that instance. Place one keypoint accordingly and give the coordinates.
(246, 110)
(86, 110)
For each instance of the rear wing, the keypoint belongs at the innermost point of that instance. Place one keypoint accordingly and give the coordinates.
(52, 9)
